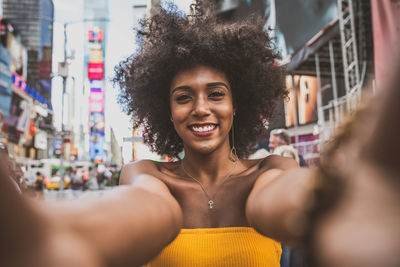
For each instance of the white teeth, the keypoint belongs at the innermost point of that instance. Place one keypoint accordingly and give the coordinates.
(203, 128)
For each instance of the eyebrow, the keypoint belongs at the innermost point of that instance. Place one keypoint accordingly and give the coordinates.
(217, 84)
(186, 87)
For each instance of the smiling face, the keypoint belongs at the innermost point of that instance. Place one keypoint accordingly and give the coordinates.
(202, 108)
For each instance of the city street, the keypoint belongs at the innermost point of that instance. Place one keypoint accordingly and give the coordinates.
(68, 194)
(242, 133)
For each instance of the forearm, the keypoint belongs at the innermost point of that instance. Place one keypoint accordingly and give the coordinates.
(126, 227)
(127, 233)
(276, 209)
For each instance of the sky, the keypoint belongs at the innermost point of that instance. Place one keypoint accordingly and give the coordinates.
(120, 44)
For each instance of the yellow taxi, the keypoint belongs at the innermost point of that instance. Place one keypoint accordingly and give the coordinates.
(54, 182)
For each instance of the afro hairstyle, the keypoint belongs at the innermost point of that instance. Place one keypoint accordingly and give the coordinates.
(170, 42)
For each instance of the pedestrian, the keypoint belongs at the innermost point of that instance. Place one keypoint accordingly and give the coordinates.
(100, 176)
(38, 185)
(85, 178)
(13, 172)
(280, 144)
(92, 179)
(76, 181)
(200, 86)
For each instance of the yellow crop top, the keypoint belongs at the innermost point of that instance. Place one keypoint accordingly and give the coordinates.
(229, 246)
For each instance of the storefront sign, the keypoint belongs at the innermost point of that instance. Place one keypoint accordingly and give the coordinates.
(16, 124)
(18, 82)
(41, 140)
(5, 81)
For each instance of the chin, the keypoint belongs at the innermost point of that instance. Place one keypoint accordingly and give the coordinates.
(202, 148)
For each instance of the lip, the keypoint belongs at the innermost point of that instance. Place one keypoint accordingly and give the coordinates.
(205, 133)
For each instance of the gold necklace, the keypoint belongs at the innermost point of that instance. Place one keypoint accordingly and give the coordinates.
(210, 197)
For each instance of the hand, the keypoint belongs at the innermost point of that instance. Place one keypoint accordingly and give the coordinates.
(355, 215)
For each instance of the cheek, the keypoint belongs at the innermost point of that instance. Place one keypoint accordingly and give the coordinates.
(178, 113)
(226, 111)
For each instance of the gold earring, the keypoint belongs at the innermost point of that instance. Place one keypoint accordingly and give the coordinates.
(233, 156)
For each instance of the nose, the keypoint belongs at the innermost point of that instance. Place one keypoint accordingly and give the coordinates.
(271, 147)
(201, 107)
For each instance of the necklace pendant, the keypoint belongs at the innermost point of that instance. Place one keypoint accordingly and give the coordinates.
(210, 203)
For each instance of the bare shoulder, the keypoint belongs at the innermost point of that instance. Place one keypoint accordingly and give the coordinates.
(134, 169)
(271, 168)
(145, 174)
(278, 162)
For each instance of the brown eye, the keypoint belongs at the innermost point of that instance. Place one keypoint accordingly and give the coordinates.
(182, 98)
(217, 94)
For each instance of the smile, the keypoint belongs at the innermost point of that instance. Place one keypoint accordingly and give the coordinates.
(205, 129)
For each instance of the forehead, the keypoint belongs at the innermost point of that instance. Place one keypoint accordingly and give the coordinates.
(273, 138)
(198, 75)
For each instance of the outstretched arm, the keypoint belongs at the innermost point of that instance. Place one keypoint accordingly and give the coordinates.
(275, 205)
(126, 227)
(354, 209)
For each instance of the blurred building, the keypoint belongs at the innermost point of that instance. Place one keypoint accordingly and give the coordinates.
(96, 17)
(34, 21)
(25, 91)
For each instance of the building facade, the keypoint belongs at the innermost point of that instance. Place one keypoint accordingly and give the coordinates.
(26, 40)
(34, 21)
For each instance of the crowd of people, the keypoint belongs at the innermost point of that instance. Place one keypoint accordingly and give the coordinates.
(92, 177)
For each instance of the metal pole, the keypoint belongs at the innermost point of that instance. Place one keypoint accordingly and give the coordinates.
(295, 104)
(321, 118)
(61, 168)
(334, 85)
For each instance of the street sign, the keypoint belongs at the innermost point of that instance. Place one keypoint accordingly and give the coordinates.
(133, 139)
(62, 133)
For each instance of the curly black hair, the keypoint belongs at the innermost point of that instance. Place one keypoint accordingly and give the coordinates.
(170, 42)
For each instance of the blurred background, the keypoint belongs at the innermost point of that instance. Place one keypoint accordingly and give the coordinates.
(59, 114)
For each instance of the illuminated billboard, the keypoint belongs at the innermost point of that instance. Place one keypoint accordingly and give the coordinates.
(95, 71)
(96, 147)
(95, 35)
(96, 55)
(96, 101)
(303, 100)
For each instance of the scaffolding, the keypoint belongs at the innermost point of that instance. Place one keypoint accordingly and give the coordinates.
(336, 63)
(339, 107)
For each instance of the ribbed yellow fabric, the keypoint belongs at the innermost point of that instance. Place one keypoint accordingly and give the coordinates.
(228, 246)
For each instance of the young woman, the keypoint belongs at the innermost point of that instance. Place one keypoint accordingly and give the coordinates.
(207, 89)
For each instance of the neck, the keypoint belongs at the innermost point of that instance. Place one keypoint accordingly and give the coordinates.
(208, 168)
